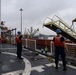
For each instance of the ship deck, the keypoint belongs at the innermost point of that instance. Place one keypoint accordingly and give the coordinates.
(31, 64)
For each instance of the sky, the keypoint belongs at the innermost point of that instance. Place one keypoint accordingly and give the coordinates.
(34, 13)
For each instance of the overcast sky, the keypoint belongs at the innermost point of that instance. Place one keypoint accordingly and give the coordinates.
(35, 11)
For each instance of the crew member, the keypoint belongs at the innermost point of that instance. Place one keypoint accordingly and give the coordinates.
(60, 46)
(19, 45)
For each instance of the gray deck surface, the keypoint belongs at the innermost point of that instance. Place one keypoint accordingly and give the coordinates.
(31, 65)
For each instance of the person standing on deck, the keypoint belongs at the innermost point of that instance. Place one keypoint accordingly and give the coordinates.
(19, 45)
(60, 46)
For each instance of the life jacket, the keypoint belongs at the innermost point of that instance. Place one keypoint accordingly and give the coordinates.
(57, 42)
(18, 40)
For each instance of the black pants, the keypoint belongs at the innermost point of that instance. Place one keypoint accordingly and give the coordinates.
(60, 51)
(19, 50)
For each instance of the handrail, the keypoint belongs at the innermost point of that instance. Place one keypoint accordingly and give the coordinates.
(47, 18)
(60, 21)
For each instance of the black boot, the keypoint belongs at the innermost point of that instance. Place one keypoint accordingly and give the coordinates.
(56, 66)
(20, 58)
(64, 68)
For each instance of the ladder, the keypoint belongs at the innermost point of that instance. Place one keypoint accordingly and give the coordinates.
(57, 23)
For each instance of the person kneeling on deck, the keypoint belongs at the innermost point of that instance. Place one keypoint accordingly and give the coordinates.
(19, 45)
(59, 45)
(46, 49)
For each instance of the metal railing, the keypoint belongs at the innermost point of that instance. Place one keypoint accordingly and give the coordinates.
(59, 23)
